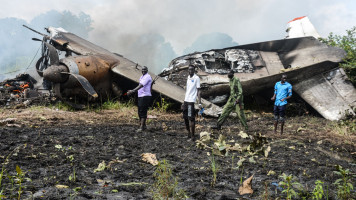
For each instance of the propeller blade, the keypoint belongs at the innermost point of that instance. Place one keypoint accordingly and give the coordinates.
(57, 90)
(36, 39)
(53, 55)
(85, 84)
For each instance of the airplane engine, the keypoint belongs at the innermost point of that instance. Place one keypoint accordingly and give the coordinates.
(88, 71)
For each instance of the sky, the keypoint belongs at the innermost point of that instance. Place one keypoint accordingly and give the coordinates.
(181, 22)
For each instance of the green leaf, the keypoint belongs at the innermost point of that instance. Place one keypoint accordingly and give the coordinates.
(240, 162)
(282, 183)
(338, 181)
(350, 186)
(251, 160)
(18, 170)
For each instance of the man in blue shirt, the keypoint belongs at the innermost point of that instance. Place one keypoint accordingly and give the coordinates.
(282, 92)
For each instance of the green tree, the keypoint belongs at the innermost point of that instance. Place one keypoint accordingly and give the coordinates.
(348, 43)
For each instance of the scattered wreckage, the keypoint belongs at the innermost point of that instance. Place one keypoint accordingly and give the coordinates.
(89, 72)
(19, 92)
(311, 66)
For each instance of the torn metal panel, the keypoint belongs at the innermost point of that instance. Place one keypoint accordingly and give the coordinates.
(330, 93)
(258, 66)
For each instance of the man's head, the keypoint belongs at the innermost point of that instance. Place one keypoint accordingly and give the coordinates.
(284, 78)
(144, 70)
(231, 74)
(191, 70)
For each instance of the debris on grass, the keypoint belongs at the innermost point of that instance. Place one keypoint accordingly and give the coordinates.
(243, 135)
(101, 167)
(150, 158)
(246, 187)
(7, 121)
(61, 186)
(271, 173)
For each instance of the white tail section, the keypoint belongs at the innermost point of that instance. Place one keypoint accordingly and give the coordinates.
(301, 27)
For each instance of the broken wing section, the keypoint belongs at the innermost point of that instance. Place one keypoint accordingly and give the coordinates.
(129, 70)
(64, 41)
(330, 93)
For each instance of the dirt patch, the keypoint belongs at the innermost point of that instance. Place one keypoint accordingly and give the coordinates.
(59, 151)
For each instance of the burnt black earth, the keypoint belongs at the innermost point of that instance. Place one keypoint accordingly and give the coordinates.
(62, 161)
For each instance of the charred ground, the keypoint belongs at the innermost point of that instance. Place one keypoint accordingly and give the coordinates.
(50, 146)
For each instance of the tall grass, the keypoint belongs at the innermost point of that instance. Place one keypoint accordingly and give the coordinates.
(166, 185)
(111, 104)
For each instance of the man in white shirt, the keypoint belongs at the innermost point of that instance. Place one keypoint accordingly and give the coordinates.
(191, 94)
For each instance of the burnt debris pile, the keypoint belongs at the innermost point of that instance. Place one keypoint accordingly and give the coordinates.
(20, 91)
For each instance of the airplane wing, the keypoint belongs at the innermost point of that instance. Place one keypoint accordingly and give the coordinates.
(125, 67)
(75, 43)
(129, 70)
(330, 93)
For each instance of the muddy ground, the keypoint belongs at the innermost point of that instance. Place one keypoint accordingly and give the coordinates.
(50, 146)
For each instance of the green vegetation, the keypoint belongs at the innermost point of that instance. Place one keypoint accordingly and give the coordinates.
(1, 177)
(344, 184)
(72, 177)
(288, 183)
(13, 182)
(112, 104)
(241, 176)
(166, 185)
(318, 191)
(214, 169)
(19, 180)
(36, 108)
(348, 43)
(163, 105)
(63, 106)
(344, 127)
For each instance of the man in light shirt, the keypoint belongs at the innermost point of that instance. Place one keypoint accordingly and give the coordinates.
(191, 94)
(144, 97)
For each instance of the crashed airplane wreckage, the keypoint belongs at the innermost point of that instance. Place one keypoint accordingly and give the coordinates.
(311, 66)
(88, 70)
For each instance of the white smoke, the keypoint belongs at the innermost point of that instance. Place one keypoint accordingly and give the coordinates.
(174, 25)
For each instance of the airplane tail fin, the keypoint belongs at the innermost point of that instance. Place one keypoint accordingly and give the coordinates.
(301, 27)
